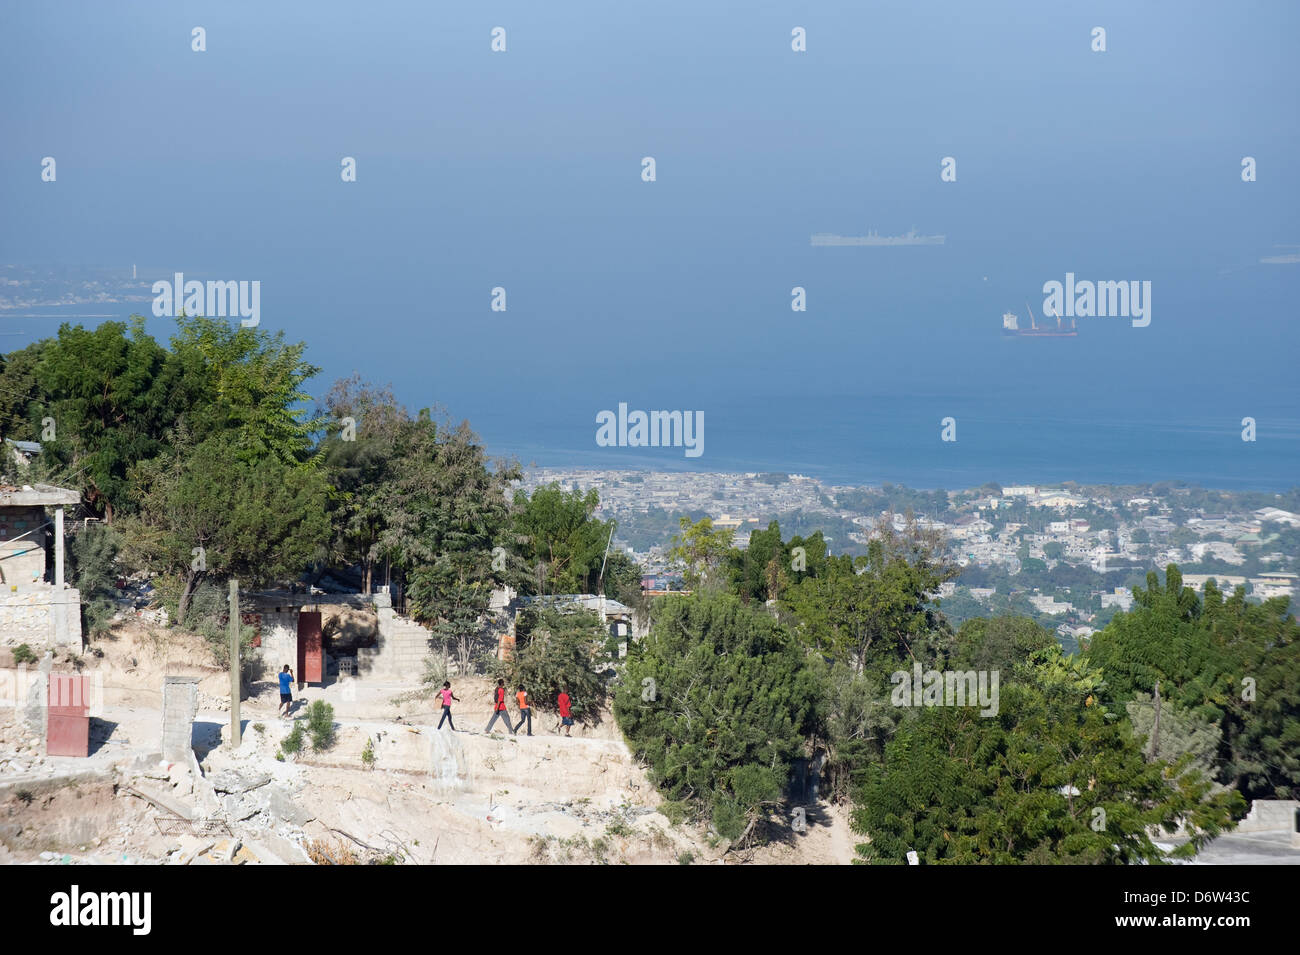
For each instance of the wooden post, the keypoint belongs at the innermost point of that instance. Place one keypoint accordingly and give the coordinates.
(58, 547)
(233, 628)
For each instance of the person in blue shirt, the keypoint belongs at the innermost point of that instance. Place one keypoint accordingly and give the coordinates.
(286, 695)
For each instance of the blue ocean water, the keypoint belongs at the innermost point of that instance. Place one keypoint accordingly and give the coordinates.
(523, 171)
(1110, 406)
(871, 440)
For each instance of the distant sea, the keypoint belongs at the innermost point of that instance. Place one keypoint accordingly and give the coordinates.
(1014, 430)
(871, 440)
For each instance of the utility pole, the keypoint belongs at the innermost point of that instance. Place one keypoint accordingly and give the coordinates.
(600, 581)
(1155, 731)
(233, 628)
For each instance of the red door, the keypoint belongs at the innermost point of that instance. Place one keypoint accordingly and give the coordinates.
(309, 648)
(69, 726)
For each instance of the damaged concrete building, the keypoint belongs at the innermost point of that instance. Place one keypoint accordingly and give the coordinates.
(37, 607)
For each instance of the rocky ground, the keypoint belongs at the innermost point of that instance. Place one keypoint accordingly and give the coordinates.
(428, 796)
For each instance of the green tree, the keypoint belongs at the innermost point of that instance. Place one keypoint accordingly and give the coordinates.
(212, 513)
(1181, 733)
(999, 643)
(446, 511)
(875, 611)
(1226, 660)
(718, 700)
(1051, 779)
(20, 392)
(700, 550)
(92, 560)
(360, 463)
(244, 386)
(560, 540)
(107, 392)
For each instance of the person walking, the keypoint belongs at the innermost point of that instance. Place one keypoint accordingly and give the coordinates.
(286, 691)
(566, 712)
(499, 711)
(525, 711)
(447, 697)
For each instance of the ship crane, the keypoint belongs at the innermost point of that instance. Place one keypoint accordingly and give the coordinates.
(1058, 320)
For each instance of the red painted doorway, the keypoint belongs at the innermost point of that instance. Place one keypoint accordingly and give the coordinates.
(310, 658)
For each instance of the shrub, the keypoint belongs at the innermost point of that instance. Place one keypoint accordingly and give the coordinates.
(675, 812)
(292, 744)
(320, 725)
(368, 755)
(435, 669)
(92, 569)
(207, 615)
(557, 651)
(25, 654)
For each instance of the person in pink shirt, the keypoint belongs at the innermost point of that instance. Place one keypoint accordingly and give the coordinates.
(447, 697)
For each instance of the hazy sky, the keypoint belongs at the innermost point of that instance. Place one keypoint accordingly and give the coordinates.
(522, 169)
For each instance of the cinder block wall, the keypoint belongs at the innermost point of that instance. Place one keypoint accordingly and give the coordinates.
(1267, 815)
(180, 705)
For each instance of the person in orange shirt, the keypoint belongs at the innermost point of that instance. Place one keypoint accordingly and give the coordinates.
(525, 711)
(499, 711)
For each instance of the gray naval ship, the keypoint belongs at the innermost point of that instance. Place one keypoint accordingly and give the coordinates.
(871, 238)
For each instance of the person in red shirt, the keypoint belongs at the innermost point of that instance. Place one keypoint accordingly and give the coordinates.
(499, 708)
(566, 712)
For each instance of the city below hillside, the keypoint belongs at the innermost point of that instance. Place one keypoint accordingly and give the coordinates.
(1065, 555)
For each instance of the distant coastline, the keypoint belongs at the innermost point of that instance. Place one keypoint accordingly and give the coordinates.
(1137, 487)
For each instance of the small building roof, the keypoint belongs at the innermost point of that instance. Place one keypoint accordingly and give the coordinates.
(37, 495)
(585, 601)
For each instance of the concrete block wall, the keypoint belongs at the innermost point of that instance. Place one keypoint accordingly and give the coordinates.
(1269, 815)
(279, 641)
(403, 647)
(25, 618)
(36, 713)
(45, 617)
(180, 705)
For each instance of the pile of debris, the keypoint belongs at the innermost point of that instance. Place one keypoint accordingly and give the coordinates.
(229, 817)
